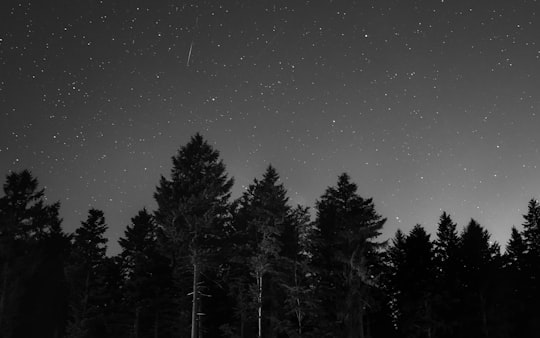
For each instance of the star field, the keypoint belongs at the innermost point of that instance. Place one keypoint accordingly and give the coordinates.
(428, 105)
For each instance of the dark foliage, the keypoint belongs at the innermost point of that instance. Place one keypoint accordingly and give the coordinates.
(202, 266)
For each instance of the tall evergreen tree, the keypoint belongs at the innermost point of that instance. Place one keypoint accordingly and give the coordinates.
(300, 303)
(344, 255)
(260, 224)
(515, 294)
(394, 278)
(515, 250)
(447, 284)
(31, 240)
(192, 210)
(415, 299)
(87, 261)
(479, 271)
(529, 265)
(147, 286)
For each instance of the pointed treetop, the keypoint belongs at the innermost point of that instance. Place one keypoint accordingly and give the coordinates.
(22, 186)
(516, 246)
(531, 226)
(399, 238)
(447, 234)
(418, 231)
(139, 232)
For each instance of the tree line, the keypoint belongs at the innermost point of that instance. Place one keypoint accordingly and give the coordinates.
(201, 265)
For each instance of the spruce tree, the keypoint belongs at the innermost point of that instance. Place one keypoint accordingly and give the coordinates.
(300, 304)
(84, 272)
(516, 295)
(479, 273)
(447, 283)
(394, 277)
(344, 255)
(260, 224)
(415, 300)
(529, 265)
(147, 277)
(192, 210)
(31, 240)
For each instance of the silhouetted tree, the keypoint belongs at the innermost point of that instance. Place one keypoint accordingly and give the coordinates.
(192, 210)
(515, 292)
(32, 248)
(528, 262)
(415, 299)
(480, 262)
(297, 281)
(447, 284)
(148, 284)
(84, 275)
(344, 255)
(259, 224)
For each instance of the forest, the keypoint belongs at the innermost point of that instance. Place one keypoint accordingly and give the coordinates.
(204, 265)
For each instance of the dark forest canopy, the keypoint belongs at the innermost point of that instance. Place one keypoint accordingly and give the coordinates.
(203, 265)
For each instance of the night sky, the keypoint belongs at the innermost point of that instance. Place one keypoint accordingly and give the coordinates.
(428, 105)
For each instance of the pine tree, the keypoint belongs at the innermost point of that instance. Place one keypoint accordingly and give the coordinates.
(344, 255)
(192, 210)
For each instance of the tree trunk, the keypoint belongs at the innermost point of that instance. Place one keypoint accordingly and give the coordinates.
(485, 329)
(86, 295)
(195, 297)
(361, 323)
(242, 324)
(5, 270)
(156, 325)
(299, 314)
(259, 300)
(136, 322)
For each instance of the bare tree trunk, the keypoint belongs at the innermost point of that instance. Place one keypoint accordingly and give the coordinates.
(299, 314)
(156, 325)
(484, 316)
(5, 270)
(259, 299)
(361, 323)
(242, 324)
(136, 322)
(195, 297)
(86, 296)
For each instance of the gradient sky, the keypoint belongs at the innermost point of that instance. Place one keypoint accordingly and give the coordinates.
(428, 105)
